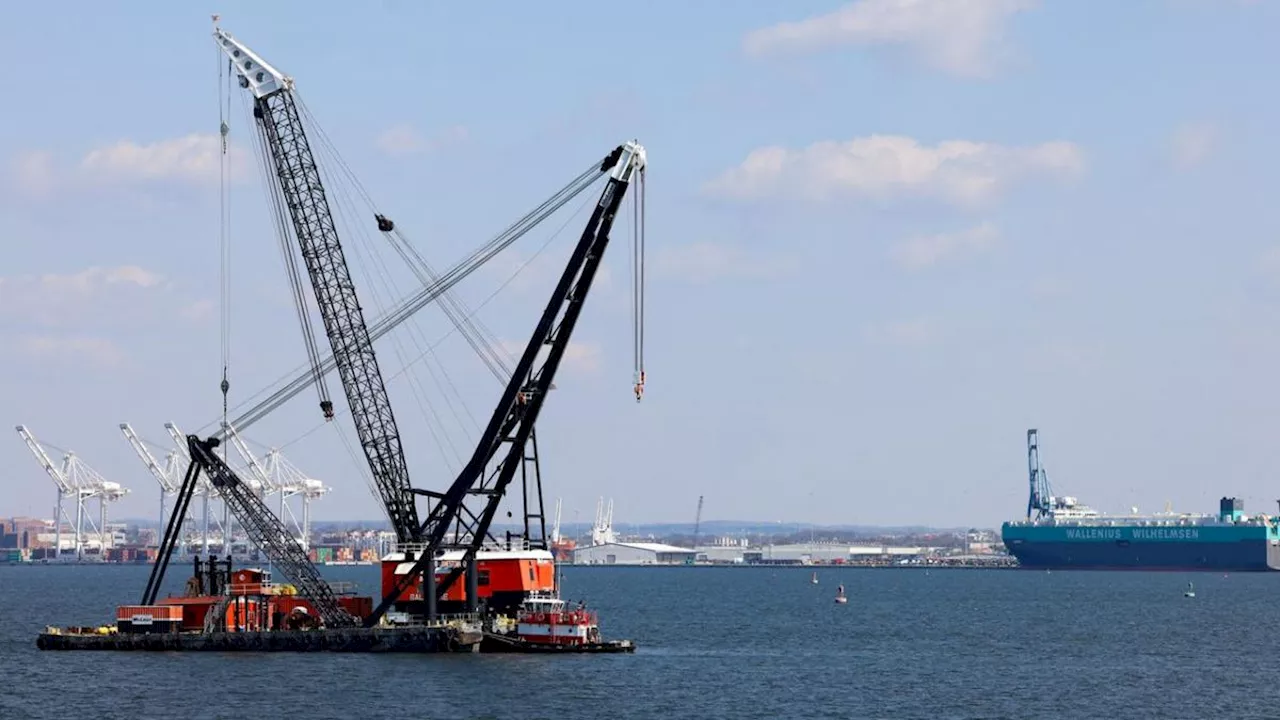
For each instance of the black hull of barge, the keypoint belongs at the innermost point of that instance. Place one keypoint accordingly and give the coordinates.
(356, 640)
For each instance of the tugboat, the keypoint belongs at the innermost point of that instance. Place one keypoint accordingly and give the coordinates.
(543, 622)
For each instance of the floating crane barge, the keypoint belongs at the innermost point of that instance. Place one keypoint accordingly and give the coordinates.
(508, 599)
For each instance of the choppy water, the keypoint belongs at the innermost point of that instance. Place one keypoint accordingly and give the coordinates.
(713, 643)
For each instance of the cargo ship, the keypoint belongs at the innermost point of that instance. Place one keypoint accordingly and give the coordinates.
(1061, 533)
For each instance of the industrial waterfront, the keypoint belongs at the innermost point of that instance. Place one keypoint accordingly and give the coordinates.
(32, 540)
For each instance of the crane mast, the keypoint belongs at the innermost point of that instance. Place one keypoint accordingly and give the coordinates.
(280, 124)
(511, 427)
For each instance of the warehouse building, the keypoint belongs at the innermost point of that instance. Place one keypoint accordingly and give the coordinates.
(632, 553)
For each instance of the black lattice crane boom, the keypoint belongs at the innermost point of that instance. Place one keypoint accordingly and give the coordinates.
(502, 448)
(280, 124)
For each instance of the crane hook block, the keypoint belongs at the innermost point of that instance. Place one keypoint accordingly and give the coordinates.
(384, 223)
(326, 406)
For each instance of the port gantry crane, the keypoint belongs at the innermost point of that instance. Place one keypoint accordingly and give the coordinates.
(509, 436)
(1040, 499)
(165, 475)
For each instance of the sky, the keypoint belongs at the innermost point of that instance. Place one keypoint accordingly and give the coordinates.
(883, 239)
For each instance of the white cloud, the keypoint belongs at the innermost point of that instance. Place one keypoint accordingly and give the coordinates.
(1192, 144)
(405, 140)
(33, 173)
(916, 332)
(709, 261)
(94, 278)
(193, 158)
(884, 166)
(956, 36)
(198, 310)
(72, 349)
(583, 355)
(53, 298)
(924, 250)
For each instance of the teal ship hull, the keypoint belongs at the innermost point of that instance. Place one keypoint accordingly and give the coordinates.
(1060, 533)
(1245, 547)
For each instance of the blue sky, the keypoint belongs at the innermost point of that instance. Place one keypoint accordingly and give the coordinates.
(885, 237)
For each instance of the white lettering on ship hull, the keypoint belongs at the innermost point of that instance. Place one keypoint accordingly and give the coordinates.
(1094, 533)
(1166, 534)
(1102, 533)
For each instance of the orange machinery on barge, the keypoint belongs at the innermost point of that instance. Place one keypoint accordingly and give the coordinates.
(251, 601)
(504, 578)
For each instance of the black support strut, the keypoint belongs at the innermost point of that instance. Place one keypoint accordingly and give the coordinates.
(171, 533)
(268, 533)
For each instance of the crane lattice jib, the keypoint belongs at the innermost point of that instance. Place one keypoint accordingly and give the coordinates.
(335, 293)
(513, 420)
(268, 533)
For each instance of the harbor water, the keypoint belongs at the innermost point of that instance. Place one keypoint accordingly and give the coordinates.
(759, 642)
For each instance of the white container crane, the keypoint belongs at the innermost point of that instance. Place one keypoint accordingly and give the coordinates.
(257, 479)
(65, 489)
(292, 483)
(77, 480)
(169, 475)
(84, 476)
(602, 532)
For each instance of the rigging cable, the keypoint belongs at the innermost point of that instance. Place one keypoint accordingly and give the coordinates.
(284, 236)
(488, 349)
(422, 297)
(224, 240)
(378, 279)
(637, 281)
(448, 334)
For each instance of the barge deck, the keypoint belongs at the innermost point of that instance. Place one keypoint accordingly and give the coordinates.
(359, 640)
